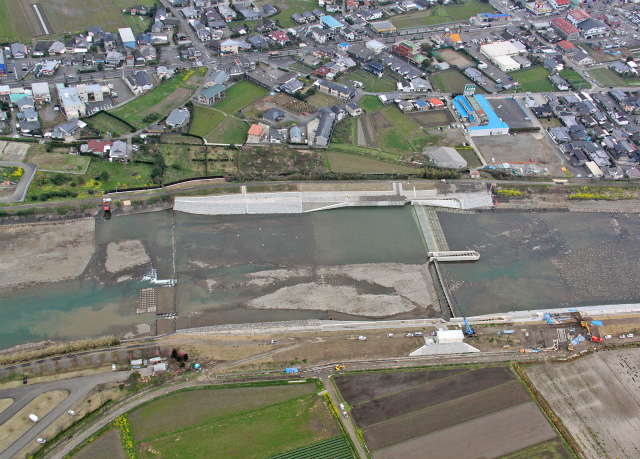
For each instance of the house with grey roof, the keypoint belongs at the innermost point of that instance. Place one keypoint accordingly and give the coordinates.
(292, 86)
(335, 89)
(325, 127)
(297, 135)
(144, 80)
(177, 118)
(118, 151)
(216, 77)
(274, 115)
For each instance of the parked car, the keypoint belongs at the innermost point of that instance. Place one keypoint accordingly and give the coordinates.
(390, 335)
(362, 337)
(42, 441)
(409, 335)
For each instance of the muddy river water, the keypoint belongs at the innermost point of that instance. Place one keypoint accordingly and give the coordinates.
(339, 264)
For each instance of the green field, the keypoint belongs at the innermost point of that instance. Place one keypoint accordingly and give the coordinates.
(104, 123)
(18, 21)
(247, 423)
(552, 449)
(533, 79)
(216, 127)
(333, 448)
(58, 162)
(168, 95)
(371, 82)
(346, 162)
(606, 77)
(370, 103)
(441, 14)
(405, 125)
(287, 9)
(452, 81)
(575, 79)
(240, 95)
(470, 156)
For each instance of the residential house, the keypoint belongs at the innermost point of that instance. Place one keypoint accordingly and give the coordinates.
(582, 58)
(70, 103)
(256, 134)
(354, 109)
(566, 47)
(274, 115)
(336, 89)
(296, 135)
(19, 51)
(325, 127)
(57, 48)
(269, 10)
(292, 86)
(565, 29)
(219, 77)
(374, 67)
(559, 82)
(279, 37)
(132, 84)
(144, 81)
(620, 68)
(39, 49)
(97, 147)
(475, 75)
(41, 93)
(229, 47)
(118, 151)
(211, 95)
(592, 28)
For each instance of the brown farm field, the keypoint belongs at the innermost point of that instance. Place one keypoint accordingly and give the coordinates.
(455, 58)
(432, 118)
(404, 413)
(488, 437)
(598, 400)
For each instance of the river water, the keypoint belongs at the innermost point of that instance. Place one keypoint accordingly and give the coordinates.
(220, 248)
(528, 261)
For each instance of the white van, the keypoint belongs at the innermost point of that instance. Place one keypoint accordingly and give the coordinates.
(33, 417)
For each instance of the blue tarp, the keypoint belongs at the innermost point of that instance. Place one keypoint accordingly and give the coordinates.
(596, 322)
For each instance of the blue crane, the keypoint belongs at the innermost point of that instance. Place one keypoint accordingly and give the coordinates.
(468, 330)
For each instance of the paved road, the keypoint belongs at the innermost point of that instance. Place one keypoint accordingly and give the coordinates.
(77, 387)
(346, 422)
(25, 181)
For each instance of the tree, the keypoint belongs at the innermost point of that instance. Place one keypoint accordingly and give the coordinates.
(426, 47)
(174, 353)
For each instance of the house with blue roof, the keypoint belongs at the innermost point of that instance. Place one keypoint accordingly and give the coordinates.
(331, 23)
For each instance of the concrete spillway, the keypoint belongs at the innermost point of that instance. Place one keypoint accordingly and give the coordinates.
(295, 202)
(456, 255)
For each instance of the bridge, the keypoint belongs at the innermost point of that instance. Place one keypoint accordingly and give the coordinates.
(454, 255)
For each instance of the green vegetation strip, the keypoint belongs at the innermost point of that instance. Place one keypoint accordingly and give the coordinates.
(333, 448)
(240, 95)
(122, 423)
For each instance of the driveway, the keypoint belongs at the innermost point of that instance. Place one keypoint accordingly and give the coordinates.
(77, 387)
(23, 185)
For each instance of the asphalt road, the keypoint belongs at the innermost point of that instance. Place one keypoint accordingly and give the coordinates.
(77, 387)
(25, 181)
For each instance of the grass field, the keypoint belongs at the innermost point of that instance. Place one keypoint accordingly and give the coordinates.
(105, 123)
(345, 162)
(168, 95)
(371, 82)
(18, 20)
(249, 422)
(287, 9)
(405, 125)
(216, 127)
(533, 79)
(370, 103)
(453, 81)
(606, 77)
(321, 99)
(575, 79)
(106, 446)
(240, 95)
(552, 449)
(432, 118)
(442, 14)
(59, 162)
(470, 156)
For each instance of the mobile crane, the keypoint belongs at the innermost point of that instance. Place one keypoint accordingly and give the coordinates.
(467, 328)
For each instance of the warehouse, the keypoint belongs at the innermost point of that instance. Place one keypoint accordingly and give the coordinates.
(126, 35)
(506, 63)
(447, 157)
(501, 48)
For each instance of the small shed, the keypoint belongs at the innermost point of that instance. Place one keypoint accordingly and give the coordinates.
(449, 336)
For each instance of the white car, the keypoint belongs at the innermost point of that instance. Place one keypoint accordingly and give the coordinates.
(629, 335)
(607, 336)
(362, 338)
(409, 335)
(42, 441)
(390, 335)
(71, 412)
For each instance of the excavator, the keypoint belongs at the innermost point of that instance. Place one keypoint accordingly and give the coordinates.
(340, 367)
(593, 338)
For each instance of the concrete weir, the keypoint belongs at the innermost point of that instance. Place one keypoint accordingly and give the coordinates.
(296, 202)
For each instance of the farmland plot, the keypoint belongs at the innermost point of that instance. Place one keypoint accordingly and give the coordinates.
(598, 400)
(404, 413)
(432, 118)
(106, 446)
